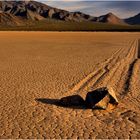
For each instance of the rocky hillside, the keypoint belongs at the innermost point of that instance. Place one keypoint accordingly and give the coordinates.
(20, 12)
(9, 19)
(32, 10)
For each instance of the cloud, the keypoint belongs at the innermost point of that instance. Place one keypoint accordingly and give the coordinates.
(124, 8)
(70, 6)
(125, 5)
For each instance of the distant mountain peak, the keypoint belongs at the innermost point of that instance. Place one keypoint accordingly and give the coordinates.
(110, 18)
(110, 14)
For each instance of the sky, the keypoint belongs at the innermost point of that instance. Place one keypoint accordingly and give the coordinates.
(123, 9)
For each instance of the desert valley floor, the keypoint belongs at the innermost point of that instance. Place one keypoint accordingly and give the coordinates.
(44, 66)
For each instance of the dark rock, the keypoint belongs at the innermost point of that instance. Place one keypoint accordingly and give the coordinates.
(101, 98)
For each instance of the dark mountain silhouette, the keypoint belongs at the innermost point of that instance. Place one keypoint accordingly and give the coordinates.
(133, 20)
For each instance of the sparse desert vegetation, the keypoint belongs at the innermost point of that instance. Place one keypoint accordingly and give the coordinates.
(56, 25)
(38, 68)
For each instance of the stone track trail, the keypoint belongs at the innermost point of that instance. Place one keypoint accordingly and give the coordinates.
(99, 73)
(115, 71)
(54, 65)
(105, 73)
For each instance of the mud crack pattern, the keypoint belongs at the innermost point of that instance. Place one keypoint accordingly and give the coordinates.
(52, 65)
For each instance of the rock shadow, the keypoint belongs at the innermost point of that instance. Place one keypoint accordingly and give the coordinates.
(102, 98)
(74, 102)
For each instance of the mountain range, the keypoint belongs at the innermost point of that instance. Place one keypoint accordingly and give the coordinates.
(21, 12)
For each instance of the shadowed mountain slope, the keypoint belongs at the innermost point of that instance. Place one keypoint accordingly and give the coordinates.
(133, 20)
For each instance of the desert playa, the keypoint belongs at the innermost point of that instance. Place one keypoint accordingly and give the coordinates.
(38, 68)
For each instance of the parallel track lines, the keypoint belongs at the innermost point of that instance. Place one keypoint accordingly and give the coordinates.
(110, 73)
(95, 75)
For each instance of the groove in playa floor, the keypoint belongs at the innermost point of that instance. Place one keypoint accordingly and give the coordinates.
(98, 75)
(139, 48)
(129, 74)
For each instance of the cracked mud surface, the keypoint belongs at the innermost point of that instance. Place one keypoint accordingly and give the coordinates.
(50, 65)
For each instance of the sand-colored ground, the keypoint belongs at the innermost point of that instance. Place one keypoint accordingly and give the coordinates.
(51, 65)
